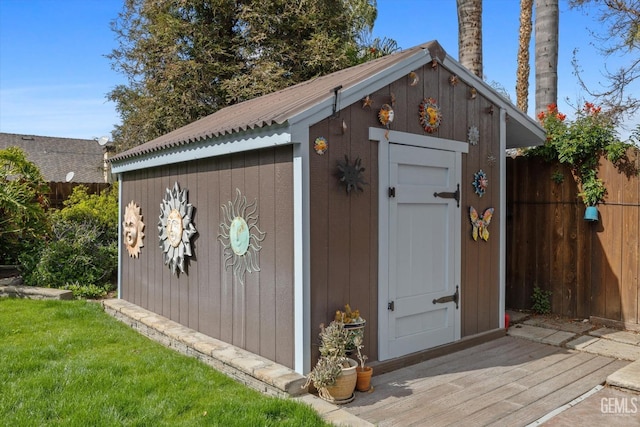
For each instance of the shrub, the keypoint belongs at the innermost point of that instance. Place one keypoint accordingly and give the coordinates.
(23, 191)
(541, 301)
(82, 254)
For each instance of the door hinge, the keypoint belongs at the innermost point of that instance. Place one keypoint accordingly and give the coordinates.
(391, 306)
(448, 298)
(392, 191)
(450, 195)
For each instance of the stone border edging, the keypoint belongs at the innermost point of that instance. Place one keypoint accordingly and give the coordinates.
(34, 292)
(245, 367)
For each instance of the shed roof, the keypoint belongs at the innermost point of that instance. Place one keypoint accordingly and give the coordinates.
(56, 157)
(286, 106)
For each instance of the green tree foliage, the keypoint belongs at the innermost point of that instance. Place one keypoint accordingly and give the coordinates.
(82, 254)
(23, 198)
(187, 59)
(580, 144)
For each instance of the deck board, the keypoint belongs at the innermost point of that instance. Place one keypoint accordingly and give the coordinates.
(508, 381)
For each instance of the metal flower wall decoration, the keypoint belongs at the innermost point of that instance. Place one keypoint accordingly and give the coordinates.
(240, 236)
(473, 136)
(351, 174)
(175, 228)
(480, 182)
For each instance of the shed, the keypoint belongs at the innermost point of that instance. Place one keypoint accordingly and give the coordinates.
(358, 187)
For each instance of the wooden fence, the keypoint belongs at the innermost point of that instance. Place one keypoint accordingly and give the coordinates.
(60, 191)
(592, 268)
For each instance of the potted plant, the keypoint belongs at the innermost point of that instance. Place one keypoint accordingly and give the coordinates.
(334, 375)
(353, 322)
(593, 192)
(363, 372)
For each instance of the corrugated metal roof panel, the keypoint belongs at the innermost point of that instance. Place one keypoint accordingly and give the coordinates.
(274, 108)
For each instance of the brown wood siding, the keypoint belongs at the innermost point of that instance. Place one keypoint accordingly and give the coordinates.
(257, 316)
(344, 229)
(591, 268)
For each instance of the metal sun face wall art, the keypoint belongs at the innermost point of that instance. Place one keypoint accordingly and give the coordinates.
(132, 229)
(320, 145)
(430, 115)
(240, 236)
(175, 228)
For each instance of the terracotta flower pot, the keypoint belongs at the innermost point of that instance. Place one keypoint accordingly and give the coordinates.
(363, 382)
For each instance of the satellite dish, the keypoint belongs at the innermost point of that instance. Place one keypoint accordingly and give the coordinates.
(69, 176)
(103, 140)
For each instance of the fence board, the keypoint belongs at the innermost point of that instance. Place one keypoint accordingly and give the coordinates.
(592, 268)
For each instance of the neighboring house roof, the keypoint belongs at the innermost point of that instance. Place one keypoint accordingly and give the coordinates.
(56, 157)
(297, 103)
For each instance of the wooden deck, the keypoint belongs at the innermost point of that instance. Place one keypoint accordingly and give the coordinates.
(506, 382)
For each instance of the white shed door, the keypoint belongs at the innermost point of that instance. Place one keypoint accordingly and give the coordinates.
(424, 231)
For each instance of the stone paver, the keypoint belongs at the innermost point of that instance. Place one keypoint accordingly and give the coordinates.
(627, 377)
(605, 347)
(539, 334)
(34, 292)
(626, 337)
(560, 324)
(517, 316)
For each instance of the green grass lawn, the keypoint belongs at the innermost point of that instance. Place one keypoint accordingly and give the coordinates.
(67, 363)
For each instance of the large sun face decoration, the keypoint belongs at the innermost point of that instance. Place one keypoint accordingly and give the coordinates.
(132, 229)
(175, 228)
(240, 236)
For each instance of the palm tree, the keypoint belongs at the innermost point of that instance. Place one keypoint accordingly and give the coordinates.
(546, 34)
(522, 74)
(470, 34)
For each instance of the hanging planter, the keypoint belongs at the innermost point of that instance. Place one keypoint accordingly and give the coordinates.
(591, 213)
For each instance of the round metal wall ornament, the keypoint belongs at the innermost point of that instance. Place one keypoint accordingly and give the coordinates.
(386, 115)
(320, 145)
(240, 236)
(473, 136)
(132, 229)
(480, 182)
(430, 115)
(351, 174)
(175, 228)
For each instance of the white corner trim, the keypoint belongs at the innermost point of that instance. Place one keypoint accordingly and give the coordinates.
(302, 352)
(120, 254)
(503, 217)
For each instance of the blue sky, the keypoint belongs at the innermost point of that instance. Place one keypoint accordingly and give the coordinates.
(54, 76)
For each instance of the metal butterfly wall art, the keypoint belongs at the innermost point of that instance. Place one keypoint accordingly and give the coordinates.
(480, 224)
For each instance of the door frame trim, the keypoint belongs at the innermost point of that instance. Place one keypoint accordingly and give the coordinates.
(384, 137)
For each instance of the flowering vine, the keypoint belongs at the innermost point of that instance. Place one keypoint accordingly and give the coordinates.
(580, 144)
